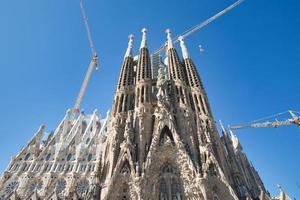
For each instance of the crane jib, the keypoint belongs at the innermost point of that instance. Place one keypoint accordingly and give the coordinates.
(201, 25)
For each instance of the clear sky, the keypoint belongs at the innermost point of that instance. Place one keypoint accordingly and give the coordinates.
(250, 67)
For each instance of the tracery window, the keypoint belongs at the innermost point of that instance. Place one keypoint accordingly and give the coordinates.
(170, 188)
(82, 187)
(175, 190)
(60, 186)
(163, 190)
(11, 187)
(35, 185)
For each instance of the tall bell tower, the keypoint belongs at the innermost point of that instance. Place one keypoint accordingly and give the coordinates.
(162, 141)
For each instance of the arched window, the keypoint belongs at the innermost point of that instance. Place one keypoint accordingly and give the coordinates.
(121, 103)
(175, 189)
(131, 102)
(169, 187)
(138, 97)
(87, 140)
(147, 93)
(163, 190)
(60, 186)
(84, 125)
(82, 187)
(27, 156)
(202, 104)
(48, 156)
(126, 103)
(142, 94)
(35, 185)
(12, 186)
(24, 167)
(191, 102)
(116, 105)
(69, 157)
(90, 156)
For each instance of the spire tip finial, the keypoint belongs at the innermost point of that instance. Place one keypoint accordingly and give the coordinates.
(130, 45)
(130, 37)
(169, 36)
(144, 30)
(181, 38)
(183, 47)
(144, 38)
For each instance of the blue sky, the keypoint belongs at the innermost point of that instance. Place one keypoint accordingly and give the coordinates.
(250, 67)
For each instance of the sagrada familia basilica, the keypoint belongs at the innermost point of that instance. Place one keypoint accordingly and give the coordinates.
(159, 142)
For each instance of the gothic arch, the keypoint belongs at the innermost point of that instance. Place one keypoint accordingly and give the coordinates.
(165, 135)
(125, 169)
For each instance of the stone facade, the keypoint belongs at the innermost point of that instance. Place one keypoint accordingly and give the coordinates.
(160, 142)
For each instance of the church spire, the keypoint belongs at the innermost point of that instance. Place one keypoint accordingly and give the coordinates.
(143, 63)
(129, 48)
(144, 38)
(185, 54)
(175, 69)
(124, 97)
(169, 37)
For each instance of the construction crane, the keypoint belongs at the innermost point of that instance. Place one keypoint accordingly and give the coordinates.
(293, 120)
(93, 63)
(201, 25)
(94, 60)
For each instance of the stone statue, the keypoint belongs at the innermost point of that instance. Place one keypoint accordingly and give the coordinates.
(161, 84)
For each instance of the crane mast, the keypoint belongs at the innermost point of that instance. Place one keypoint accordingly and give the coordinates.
(93, 63)
(201, 25)
(294, 120)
